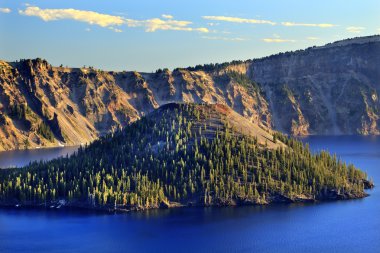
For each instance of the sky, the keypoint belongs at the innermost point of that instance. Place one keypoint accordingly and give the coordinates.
(146, 35)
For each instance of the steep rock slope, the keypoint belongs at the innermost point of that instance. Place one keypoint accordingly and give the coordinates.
(321, 90)
(324, 90)
(76, 106)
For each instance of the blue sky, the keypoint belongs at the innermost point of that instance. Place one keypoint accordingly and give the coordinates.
(146, 35)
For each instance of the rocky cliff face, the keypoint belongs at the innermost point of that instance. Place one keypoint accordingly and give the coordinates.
(324, 90)
(41, 105)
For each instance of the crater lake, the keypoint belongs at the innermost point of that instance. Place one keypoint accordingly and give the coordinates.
(341, 226)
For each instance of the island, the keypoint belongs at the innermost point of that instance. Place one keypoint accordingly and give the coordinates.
(184, 154)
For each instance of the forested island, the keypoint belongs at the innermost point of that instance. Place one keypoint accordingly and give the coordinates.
(184, 155)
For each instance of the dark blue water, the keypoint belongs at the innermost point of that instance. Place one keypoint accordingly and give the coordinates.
(18, 158)
(345, 226)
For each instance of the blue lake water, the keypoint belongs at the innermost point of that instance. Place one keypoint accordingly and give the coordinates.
(18, 158)
(344, 226)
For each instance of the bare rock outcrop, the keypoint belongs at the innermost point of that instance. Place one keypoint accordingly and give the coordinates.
(332, 89)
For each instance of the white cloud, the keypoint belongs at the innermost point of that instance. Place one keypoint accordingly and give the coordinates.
(202, 29)
(260, 21)
(152, 25)
(89, 17)
(277, 40)
(355, 29)
(308, 25)
(167, 16)
(115, 29)
(312, 38)
(5, 10)
(238, 20)
(223, 38)
(111, 21)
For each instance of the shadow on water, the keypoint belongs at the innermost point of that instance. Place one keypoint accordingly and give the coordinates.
(19, 158)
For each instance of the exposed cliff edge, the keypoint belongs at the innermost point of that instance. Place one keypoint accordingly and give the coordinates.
(324, 90)
(321, 90)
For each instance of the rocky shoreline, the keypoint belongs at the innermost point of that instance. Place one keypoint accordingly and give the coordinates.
(332, 195)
